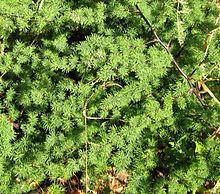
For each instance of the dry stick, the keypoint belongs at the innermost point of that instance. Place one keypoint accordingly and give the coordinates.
(209, 38)
(177, 55)
(34, 40)
(109, 84)
(173, 60)
(151, 42)
(86, 132)
(85, 108)
(2, 75)
(86, 104)
(2, 49)
(41, 5)
(192, 88)
(97, 118)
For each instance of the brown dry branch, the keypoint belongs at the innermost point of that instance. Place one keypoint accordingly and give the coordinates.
(151, 42)
(86, 141)
(2, 48)
(209, 38)
(207, 44)
(193, 89)
(34, 40)
(201, 85)
(13, 124)
(41, 5)
(86, 118)
(216, 133)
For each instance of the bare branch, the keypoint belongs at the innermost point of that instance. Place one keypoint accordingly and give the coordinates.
(41, 5)
(207, 44)
(151, 42)
(188, 79)
(86, 142)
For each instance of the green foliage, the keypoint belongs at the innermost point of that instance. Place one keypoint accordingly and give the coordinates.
(85, 87)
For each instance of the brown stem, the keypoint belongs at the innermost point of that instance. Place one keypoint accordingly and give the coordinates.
(151, 42)
(188, 79)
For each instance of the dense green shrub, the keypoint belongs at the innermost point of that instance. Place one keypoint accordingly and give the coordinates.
(91, 85)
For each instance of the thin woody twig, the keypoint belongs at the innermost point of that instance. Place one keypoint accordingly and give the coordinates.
(41, 5)
(177, 55)
(207, 44)
(85, 109)
(110, 84)
(151, 42)
(2, 75)
(2, 49)
(188, 79)
(34, 40)
(211, 37)
(86, 132)
(167, 50)
(97, 118)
